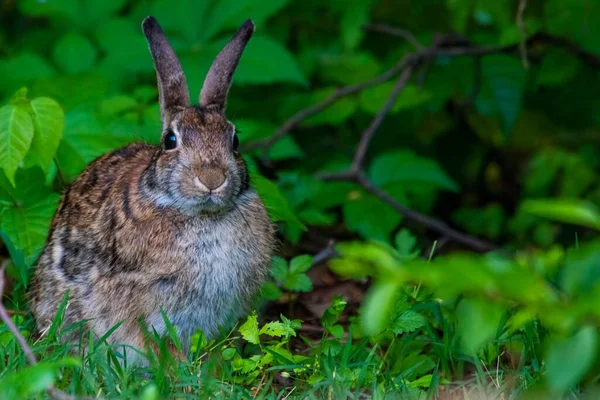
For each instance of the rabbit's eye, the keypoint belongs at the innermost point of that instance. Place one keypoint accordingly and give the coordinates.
(170, 141)
(235, 142)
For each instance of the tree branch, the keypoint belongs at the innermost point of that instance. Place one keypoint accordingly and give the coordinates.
(390, 30)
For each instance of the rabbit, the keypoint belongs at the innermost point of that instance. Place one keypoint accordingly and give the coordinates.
(174, 227)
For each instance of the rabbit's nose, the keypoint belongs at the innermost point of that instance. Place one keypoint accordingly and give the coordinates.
(212, 178)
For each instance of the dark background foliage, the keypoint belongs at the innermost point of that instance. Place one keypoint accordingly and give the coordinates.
(458, 127)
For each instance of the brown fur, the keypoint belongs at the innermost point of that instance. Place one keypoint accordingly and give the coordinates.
(145, 228)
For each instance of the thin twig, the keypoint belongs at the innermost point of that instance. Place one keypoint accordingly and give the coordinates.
(325, 254)
(390, 30)
(317, 108)
(418, 57)
(52, 391)
(432, 223)
(366, 137)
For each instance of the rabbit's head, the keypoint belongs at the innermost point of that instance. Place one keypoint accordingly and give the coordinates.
(197, 167)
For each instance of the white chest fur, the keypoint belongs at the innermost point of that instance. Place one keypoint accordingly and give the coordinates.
(228, 263)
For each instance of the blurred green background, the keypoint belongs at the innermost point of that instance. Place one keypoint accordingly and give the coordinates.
(502, 146)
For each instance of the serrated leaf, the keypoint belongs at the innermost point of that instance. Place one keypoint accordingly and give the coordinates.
(278, 329)
(249, 329)
(569, 359)
(27, 226)
(298, 283)
(74, 53)
(409, 321)
(48, 120)
(16, 134)
(300, 264)
(403, 166)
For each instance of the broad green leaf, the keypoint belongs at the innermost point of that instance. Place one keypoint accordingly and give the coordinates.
(31, 381)
(74, 53)
(265, 61)
(180, 20)
(478, 322)
(348, 68)
(337, 113)
(232, 13)
(403, 166)
(298, 283)
(353, 20)
(278, 329)
(249, 329)
(572, 211)
(373, 99)
(23, 68)
(409, 321)
(48, 120)
(487, 221)
(300, 264)
(229, 353)
(125, 47)
(406, 243)
(378, 306)
(569, 359)
(27, 226)
(16, 134)
(279, 269)
(504, 80)
(275, 202)
(369, 216)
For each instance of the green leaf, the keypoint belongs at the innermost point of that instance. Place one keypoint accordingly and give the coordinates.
(478, 322)
(48, 120)
(373, 99)
(27, 226)
(403, 166)
(504, 80)
(300, 264)
(16, 134)
(23, 68)
(278, 329)
(231, 13)
(369, 216)
(378, 306)
(249, 329)
(229, 353)
(409, 321)
(353, 20)
(180, 20)
(572, 211)
(265, 61)
(406, 243)
(276, 204)
(569, 359)
(298, 283)
(74, 53)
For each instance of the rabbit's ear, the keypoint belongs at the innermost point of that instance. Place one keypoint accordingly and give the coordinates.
(218, 80)
(172, 87)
